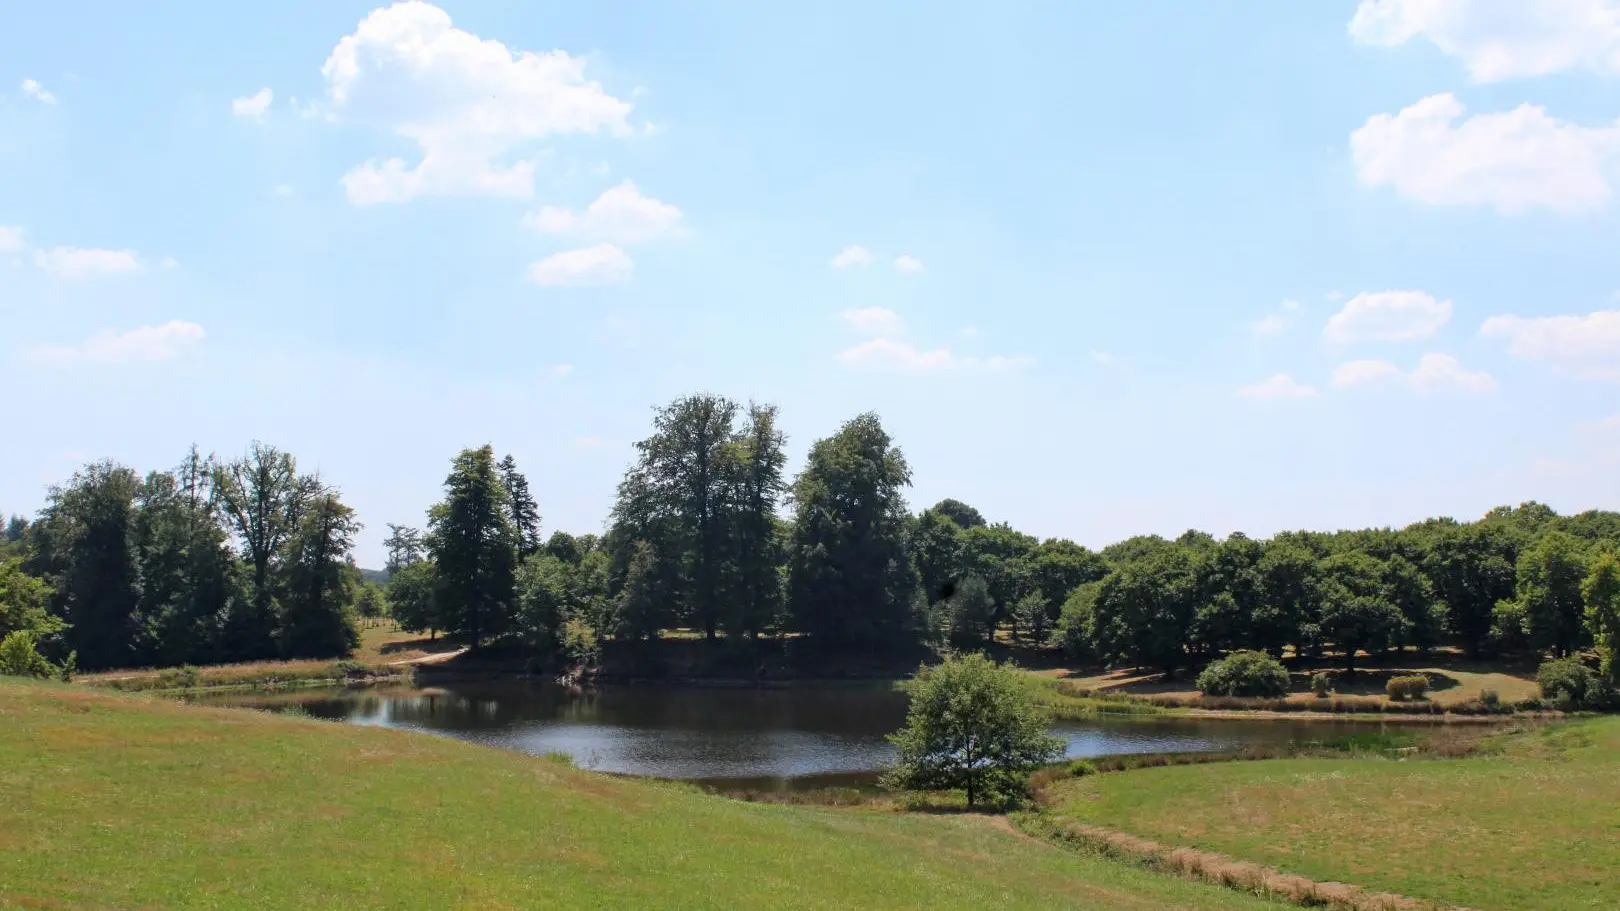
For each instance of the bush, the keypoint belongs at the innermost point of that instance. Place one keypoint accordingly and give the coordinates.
(1401, 689)
(1251, 674)
(1322, 684)
(177, 678)
(19, 658)
(1490, 698)
(1569, 684)
(1080, 768)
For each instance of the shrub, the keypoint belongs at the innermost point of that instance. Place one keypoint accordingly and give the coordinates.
(1568, 683)
(19, 658)
(1490, 697)
(1080, 768)
(176, 678)
(1401, 689)
(1322, 684)
(1245, 673)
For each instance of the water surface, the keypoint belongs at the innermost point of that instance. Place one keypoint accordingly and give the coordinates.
(780, 738)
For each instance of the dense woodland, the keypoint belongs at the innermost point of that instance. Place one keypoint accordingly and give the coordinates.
(249, 559)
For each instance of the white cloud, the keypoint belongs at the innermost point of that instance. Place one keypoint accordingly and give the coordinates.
(1387, 316)
(603, 264)
(1102, 357)
(283, 190)
(472, 106)
(1278, 388)
(908, 264)
(12, 239)
(968, 331)
(253, 106)
(1587, 345)
(562, 369)
(1273, 323)
(889, 355)
(621, 215)
(873, 320)
(146, 343)
(1500, 39)
(1513, 161)
(589, 441)
(1433, 372)
(852, 255)
(34, 90)
(80, 262)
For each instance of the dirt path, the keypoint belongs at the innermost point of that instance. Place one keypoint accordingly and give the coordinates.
(434, 658)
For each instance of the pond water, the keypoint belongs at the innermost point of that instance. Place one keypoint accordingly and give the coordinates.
(766, 739)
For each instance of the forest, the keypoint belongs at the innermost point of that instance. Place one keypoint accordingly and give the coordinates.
(248, 559)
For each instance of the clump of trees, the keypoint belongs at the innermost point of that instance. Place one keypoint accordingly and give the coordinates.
(972, 726)
(210, 562)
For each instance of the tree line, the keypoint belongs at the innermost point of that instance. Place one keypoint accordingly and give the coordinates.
(211, 562)
(251, 559)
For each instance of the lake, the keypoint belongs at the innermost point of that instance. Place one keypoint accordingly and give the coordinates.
(739, 738)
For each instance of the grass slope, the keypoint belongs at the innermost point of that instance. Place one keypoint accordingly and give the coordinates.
(1536, 827)
(118, 801)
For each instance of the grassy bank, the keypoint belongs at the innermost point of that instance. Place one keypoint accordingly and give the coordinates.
(1532, 824)
(127, 801)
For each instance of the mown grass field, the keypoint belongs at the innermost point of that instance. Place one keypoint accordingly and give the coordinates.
(120, 801)
(1536, 826)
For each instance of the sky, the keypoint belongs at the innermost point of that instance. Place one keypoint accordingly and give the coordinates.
(1102, 269)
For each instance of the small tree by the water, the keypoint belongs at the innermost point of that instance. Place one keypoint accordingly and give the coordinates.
(972, 725)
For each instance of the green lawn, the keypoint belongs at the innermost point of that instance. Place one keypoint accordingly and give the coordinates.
(1536, 827)
(116, 801)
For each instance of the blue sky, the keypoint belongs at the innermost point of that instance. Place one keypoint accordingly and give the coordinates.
(1103, 269)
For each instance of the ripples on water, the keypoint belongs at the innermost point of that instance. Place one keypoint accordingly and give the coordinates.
(754, 738)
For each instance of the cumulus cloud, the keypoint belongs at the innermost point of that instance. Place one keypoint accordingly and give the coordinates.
(253, 107)
(472, 106)
(1433, 372)
(621, 215)
(1278, 388)
(1275, 322)
(1514, 161)
(882, 354)
(603, 264)
(144, 344)
(82, 262)
(873, 320)
(1586, 345)
(1500, 39)
(852, 255)
(908, 264)
(13, 239)
(34, 90)
(1387, 316)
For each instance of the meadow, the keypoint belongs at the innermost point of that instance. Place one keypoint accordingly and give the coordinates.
(1529, 823)
(119, 801)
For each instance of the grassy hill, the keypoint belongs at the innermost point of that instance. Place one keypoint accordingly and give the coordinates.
(118, 801)
(1534, 827)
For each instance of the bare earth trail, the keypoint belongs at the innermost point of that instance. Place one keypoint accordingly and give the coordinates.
(428, 659)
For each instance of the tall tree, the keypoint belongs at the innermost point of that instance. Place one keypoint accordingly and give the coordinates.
(756, 552)
(1601, 591)
(404, 546)
(851, 582)
(189, 576)
(411, 600)
(263, 497)
(85, 547)
(525, 512)
(317, 588)
(962, 514)
(935, 542)
(474, 549)
(1550, 574)
(1144, 610)
(1472, 568)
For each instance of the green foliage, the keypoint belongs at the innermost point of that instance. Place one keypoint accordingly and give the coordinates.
(473, 547)
(1550, 574)
(525, 513)
(1404, 689)
(972, 613)
(404, 546)
(85, 545)
(1601, 592)
(961, 514)
(410, 596)
(317, 582)
(19, 658)
(1144, 610)
(263, 498)
(1245, 673)
(1322, 684)
(851, 581)
(972, 725)
(639, 611)
(1510, 626)
(23, 600)
(1075, 632)
(1569, 683)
